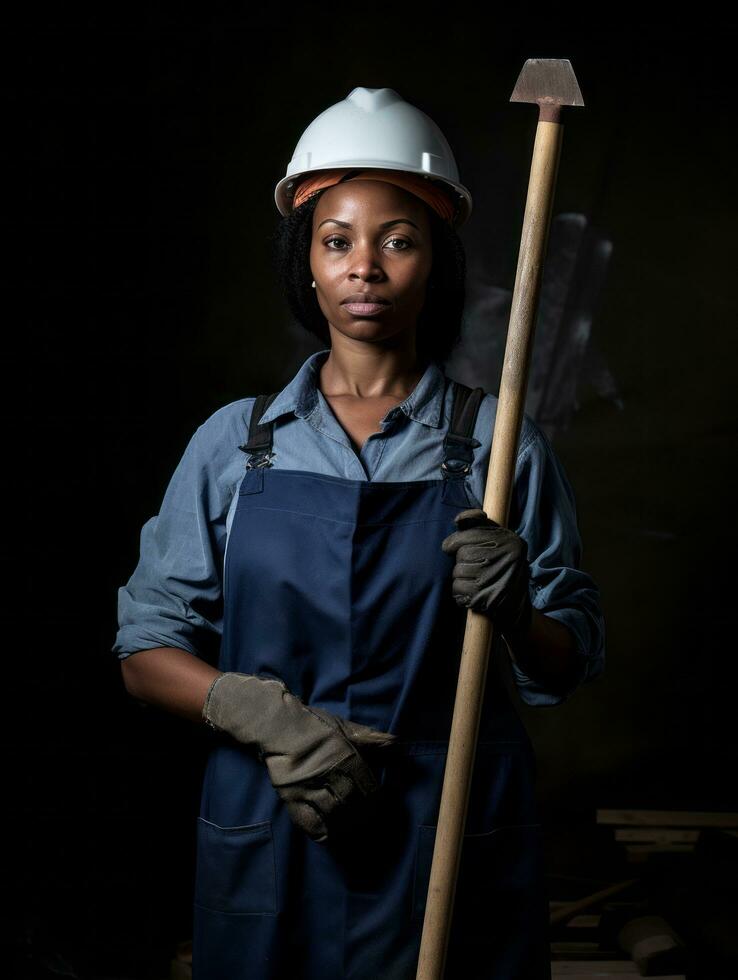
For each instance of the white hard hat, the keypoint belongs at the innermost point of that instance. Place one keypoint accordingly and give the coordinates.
(374, 128)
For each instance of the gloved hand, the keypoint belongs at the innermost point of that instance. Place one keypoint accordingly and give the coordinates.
(309, 752)
(491, 574)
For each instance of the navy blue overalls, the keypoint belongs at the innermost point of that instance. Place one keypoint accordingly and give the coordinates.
(340, 588)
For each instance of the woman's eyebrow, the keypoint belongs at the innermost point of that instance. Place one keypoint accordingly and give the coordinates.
(385, 224)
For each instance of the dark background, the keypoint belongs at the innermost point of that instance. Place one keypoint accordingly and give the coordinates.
(142, 161)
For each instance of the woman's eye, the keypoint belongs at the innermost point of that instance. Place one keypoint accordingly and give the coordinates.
(402, 241)
(329, 240)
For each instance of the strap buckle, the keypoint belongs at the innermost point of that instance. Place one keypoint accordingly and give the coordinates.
(455, 470)
(458, 453)
(260, 460)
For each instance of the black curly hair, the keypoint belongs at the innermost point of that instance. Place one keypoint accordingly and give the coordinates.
(440, 321)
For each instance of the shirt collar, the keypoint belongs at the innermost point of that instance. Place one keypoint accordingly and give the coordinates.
(423, 404)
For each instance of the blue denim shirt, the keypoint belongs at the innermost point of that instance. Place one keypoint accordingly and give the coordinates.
(174, 597)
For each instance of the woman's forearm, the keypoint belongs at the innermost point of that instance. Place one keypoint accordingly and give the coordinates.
(547, 652)
(169, 678)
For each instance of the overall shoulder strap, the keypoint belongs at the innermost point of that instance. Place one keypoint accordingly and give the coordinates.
(259, 443)
(459, 444)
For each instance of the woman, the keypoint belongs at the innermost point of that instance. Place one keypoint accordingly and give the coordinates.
(321, 546)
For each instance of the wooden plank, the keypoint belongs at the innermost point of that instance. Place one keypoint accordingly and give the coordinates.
(599, 969)
(658, 848)
(668, 818)
(569, 949)
(657, 835)
(584, 922)
(589, 971)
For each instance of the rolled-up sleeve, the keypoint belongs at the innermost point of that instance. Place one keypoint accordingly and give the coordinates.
(543, 512)
(174, 598)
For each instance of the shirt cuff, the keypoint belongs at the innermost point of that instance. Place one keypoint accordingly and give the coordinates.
(131, 639)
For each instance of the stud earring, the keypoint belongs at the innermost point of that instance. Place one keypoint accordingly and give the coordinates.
(314, 284)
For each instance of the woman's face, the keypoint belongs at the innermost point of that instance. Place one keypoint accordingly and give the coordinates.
(371, 237)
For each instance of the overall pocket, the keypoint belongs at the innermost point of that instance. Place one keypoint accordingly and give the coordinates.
(501, 865)
(500, 876)
(236, 870)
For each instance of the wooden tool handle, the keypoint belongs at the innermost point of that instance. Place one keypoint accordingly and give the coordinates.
(519, 345)
(498, 492)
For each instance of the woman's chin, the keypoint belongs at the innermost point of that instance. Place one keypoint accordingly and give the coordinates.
(372, 330)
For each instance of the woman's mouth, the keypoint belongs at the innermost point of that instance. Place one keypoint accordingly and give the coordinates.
(365, 303)
(366, 309)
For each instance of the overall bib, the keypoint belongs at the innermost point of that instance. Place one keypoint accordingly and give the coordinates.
(340, 588)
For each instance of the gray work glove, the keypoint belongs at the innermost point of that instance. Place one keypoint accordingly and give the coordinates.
(308, 752)
(491, 574)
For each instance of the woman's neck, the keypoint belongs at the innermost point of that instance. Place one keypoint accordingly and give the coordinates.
(364, 370)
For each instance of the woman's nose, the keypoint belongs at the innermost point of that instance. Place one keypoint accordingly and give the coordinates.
(366, 263)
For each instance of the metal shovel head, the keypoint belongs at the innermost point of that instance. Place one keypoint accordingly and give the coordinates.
(547, 81)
